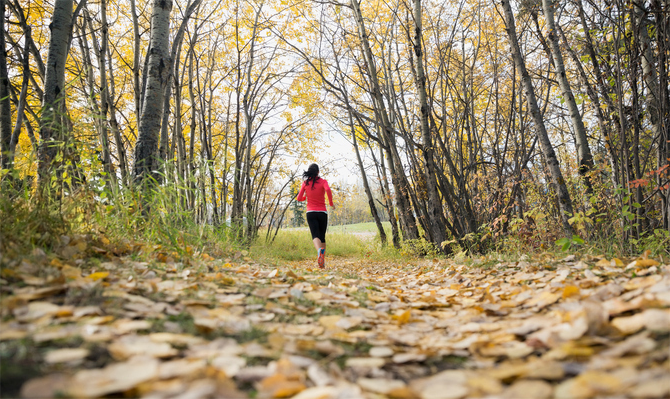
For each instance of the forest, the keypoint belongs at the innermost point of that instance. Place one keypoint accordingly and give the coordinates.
(508, 234)
(472, 122)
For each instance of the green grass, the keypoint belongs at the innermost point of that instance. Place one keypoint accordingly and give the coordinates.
(370, 227)
(295, 245)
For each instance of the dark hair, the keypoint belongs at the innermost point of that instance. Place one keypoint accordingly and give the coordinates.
(311, 174)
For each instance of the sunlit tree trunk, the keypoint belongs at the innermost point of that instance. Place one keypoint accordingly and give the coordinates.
(146, 149)
(564, 201)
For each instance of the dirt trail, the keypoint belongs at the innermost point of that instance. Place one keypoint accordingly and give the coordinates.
(233, 328)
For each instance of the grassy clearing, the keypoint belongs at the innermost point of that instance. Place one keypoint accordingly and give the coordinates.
(370, 227)
(295, 245)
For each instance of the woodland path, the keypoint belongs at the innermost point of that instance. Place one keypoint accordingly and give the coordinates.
(234, 328)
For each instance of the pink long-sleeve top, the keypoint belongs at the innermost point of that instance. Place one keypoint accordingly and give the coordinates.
(316, 201)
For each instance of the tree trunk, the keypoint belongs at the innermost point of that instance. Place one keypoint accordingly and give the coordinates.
(397, 174)
(101, 55)
(604, 89)
(176, 45)
(366, 185)
(585, 159)
(20, 107)
(5, 105)
(118, 138)
(52, 131)
(137, 89)
(564, 201)
(386, 192)
(146, 149)
(436, 221)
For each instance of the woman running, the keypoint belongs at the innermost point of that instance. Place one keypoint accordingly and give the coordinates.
(314, 188)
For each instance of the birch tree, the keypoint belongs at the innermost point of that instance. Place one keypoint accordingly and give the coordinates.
(146, 148)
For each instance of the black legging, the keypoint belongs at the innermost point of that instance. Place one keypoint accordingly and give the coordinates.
(318, 224)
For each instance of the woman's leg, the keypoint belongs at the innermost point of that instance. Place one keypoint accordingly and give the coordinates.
(318, 244)
(323, 227)
(315, 223)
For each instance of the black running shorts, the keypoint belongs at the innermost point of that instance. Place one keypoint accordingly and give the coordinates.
(318, 223)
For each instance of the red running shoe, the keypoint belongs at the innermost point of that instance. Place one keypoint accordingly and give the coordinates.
(322, 258)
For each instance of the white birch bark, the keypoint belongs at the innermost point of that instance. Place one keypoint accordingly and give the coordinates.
(51, 135)
(146, 149)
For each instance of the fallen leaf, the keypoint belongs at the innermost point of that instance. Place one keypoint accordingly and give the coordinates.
(117, 377)
(97, 276)
(66, 355)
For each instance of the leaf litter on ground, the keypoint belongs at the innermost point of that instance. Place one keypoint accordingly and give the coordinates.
(90, 321)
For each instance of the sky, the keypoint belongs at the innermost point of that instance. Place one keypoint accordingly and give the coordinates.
(339, 160)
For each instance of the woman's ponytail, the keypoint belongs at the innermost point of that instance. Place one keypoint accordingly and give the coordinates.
(311, 174)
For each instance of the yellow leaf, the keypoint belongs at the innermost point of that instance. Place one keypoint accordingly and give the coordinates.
(570, 291)
(646, 262)
(329, 321)
(71, 272)
(291, 274)
(574, 350)
(98, 276)
(225, 280)
(603, 263)
(617, 262)
(405, 317)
